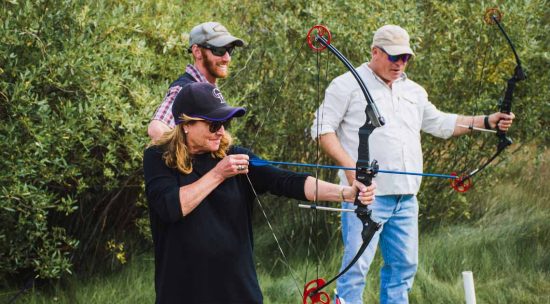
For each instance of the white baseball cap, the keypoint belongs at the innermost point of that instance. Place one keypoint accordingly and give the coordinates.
(393, 39)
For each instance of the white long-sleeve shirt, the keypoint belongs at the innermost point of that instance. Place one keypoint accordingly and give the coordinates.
(396, 145)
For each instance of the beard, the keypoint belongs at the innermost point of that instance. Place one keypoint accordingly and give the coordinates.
(212, 68)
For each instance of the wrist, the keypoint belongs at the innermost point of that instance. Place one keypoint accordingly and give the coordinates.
(216, 175)
(486, 122)
(342, 197)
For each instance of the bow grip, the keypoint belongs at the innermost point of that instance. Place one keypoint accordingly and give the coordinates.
(506, 103)
(364, 175)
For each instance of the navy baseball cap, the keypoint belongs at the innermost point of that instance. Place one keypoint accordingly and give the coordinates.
(203, 100)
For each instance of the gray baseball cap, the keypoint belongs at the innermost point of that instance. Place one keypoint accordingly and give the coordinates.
(393, 39)
(214, 34)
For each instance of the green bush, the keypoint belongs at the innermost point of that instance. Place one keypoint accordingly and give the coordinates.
(79, 81)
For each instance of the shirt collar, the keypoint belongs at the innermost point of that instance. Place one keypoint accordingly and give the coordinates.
(403, 76)
(195, 73)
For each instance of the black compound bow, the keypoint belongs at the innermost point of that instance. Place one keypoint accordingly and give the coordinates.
(463, 183)
(365, 170)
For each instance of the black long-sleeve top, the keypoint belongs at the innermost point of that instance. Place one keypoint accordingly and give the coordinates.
(207, 256)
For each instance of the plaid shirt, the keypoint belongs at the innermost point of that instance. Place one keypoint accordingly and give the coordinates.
(164, 111)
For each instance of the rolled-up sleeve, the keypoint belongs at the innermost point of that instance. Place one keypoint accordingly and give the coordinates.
(161, 187)
(333, 109)
(438, 123)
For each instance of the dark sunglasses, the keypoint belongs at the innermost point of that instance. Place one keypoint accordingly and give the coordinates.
(395, 58)
(218, 50)
(214, 126)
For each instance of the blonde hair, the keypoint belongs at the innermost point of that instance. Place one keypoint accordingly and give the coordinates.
(176, 153)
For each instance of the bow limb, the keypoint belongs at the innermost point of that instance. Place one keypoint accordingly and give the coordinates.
(373, 115)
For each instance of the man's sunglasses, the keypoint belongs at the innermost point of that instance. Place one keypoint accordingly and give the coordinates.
(218, 50)
(214, 126)
(395, 58)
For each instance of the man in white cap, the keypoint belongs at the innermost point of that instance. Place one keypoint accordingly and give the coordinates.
(396, 145)
(211, 45)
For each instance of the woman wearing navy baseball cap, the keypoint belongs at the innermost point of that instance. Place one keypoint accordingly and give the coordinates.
(200, 202)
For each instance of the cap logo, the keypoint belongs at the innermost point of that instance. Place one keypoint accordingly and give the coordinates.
(219, 28)
(216, 93)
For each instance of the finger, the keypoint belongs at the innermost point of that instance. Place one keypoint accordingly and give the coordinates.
(367, 195)
(241, 157)
(359, 185)
(506, 118)
(364, 190)
(505, 124)
(232, 161)
(242, 163)
(241, 168)
(243, 171)
(366, 200)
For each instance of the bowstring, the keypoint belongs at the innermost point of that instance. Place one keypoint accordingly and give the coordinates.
(284, 84)
(313, 242)
(323, 104)
(279, 90)
(317, 162)
(285, 259)
(484, 63)
(314, 218)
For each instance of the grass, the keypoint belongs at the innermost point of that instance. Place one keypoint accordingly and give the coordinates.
(506, 247)
(133, 284)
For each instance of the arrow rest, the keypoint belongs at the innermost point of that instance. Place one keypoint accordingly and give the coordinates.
(366, 174)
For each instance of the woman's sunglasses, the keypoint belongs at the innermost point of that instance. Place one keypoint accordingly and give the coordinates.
(214, 126)
(218, 50)
(395, 58)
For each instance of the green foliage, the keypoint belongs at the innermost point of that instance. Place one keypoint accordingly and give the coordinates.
(79, 81)
(467, 63)
(77, 85)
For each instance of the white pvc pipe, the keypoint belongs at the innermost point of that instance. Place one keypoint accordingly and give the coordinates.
(469, 291)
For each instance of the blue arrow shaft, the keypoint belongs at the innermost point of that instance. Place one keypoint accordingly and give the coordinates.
(256, 162)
